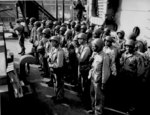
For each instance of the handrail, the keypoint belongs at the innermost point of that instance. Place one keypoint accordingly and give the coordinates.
(44, 11)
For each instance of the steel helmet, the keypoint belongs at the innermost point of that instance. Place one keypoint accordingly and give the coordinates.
(55, 38)
(63, 29)
(46, 31)
(121, 32)
(130, 42)
(37, 24)
(32, 20)
(97, 32)
(57, 28)
(99, 43)
(82, 36)
(77, 27)
(89, 33)
(68, 33)
(109, 38)
(39, 30)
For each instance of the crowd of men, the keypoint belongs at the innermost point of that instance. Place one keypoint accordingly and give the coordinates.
(94, 58)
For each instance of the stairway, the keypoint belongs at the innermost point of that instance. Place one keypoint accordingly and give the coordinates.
(38, 6)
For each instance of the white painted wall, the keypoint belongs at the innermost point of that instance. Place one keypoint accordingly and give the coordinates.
(135, 13)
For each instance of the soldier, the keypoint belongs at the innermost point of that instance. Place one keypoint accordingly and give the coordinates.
(31, 23)
(99, 74)
(56, 63)
(121, 40)
(56, 30)
(112, 52)
(39, 33)
(84, 66)
(97, 33)
(130, 72)
(72, 64)
(19, 29)
(63, 41)
(43, 50)
(80, 9)
(33, 37)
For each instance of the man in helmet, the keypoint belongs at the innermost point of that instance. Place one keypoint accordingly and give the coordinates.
(43, 49)
(33, 37)
(83, 28)
(63, 41)
(56, 30)
(121, 40)
(112, 52)
(19, 29)
(56, 63)
(130, 74)
(99, 74)
(97, 33)
(31, 23)
(39, 33)
(83, 59)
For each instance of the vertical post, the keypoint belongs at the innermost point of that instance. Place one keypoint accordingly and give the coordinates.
(63, 10)
(25, 8)
(56, 7)
(17, 10)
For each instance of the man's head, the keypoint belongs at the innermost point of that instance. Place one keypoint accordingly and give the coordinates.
(32, 20)
(108, 41)
(97, 33)
(46, 33)
(129, 45)
(82, 38)
(121, 34)
(55, 41)
(97, 45)
(62, 30)
(37, 24)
